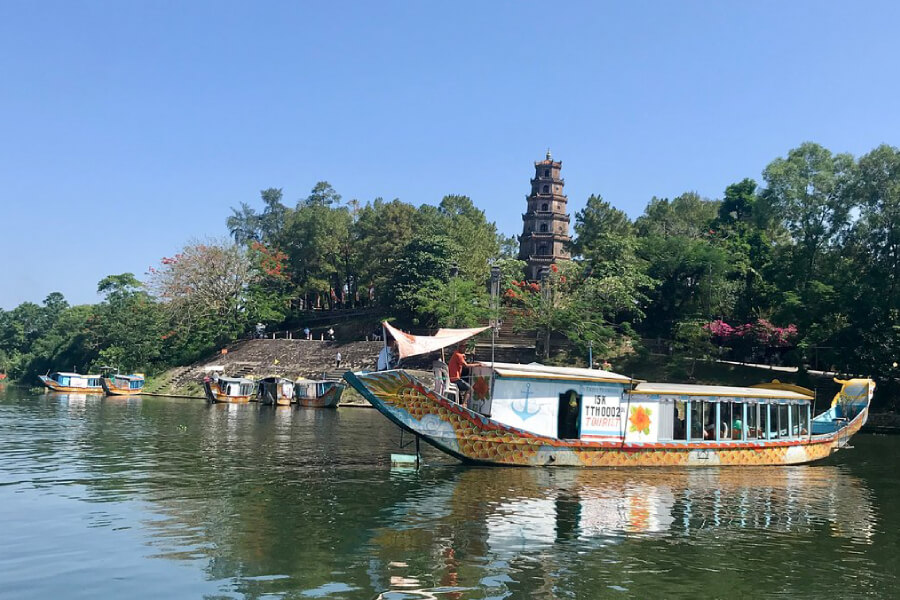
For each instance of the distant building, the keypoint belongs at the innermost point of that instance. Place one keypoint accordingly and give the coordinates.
(545, 232)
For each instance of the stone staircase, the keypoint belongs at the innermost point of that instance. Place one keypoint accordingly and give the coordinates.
(509, 346)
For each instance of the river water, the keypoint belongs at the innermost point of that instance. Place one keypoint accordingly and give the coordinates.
(163, 498)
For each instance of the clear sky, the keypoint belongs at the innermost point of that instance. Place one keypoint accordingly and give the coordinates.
(129, 128)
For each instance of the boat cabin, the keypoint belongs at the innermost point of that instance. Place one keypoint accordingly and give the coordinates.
(76, 380)
(309, 389)
(236, 386)
(596, 405)
(131, 382)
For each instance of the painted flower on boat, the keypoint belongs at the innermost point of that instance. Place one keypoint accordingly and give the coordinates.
(481, 388)
(640, 420)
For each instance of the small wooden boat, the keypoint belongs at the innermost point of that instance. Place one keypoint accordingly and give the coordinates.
(319, 394)
(123, 385)
(72, 382)
(535, 415)
(275, 390)
(236, 390)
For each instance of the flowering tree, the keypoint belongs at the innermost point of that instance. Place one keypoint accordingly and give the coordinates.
(588, 310)
(745, 338)
(203, 289)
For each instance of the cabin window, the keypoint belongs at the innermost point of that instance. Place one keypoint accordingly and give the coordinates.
(752, 421)
(731, 421)
(703, 420)
(795, 420)
(772, 429)
(569, 419)
(664, 430)
(804, 419)
(672, 418)
(783, 421)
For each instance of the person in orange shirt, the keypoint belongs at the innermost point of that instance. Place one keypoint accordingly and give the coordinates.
(457, 363)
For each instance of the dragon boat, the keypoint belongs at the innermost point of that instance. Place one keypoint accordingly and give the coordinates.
(535, 415)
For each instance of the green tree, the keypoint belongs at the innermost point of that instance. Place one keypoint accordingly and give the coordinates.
(475, 241)
(424, 260)
(128, 327)
(380, 232)
(807, 191)
(316, 240)
(322, 194)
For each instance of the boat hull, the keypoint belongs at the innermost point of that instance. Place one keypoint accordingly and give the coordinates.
(474, 438)
(55, 387)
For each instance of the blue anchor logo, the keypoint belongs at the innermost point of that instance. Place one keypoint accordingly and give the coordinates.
(523, 412)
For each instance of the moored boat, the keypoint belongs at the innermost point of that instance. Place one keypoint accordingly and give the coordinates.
(537, 415)
(543, 416)
(123, 385)
(235, 390)
(319, 394)
(72, 382)
(275, 390)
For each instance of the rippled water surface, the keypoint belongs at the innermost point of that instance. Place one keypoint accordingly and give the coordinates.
(163, 498)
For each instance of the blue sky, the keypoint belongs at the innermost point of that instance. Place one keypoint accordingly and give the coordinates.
(129, 128)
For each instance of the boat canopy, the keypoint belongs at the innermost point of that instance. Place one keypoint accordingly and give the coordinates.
(64, 374)
(539, 371)
(686, 389)
(413, 345)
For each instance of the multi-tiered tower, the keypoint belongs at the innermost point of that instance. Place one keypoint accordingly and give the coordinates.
(545, 234)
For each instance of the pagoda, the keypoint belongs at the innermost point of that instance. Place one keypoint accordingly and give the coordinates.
(545, 233)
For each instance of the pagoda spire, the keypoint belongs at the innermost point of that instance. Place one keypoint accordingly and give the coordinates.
(545, 230)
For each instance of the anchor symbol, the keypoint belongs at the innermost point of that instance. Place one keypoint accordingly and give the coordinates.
(523, 412)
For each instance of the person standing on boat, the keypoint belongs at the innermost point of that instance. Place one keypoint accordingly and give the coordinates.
(457, 364)
(337, 360)
(386, 357)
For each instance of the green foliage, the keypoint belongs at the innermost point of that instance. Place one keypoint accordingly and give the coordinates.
(425, 260)
(473, 238)
(817, 245)
(455, 302)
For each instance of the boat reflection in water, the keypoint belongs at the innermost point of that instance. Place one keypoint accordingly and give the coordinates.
(524, 516)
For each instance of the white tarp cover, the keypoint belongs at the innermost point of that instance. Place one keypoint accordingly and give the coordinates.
(412, 345)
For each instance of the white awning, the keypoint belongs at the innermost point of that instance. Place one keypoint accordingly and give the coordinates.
(412, 345)
(684, 389)
(539, 371)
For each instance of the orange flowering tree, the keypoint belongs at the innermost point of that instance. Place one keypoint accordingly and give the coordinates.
(203, 289)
